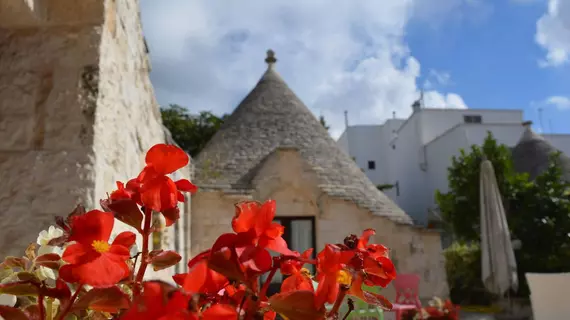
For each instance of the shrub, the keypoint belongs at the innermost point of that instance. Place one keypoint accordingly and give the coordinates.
(81, 271)
(463, 268)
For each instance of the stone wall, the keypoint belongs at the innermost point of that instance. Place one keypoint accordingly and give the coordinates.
(47, 106)
(286, 178)
(127, 120)
(77, 113)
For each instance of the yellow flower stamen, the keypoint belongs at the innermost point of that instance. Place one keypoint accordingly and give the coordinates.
(100, 246)
(344, 277)
(305, 272)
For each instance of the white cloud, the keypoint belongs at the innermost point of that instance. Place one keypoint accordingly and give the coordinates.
(434, 99)
(436, 79)
(560, 102)
(207, 55)
(553, 33)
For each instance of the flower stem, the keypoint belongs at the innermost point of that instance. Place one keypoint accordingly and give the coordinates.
(144, 258)
(70, 303)
(339, 300)
(263, 292)
(41, 306)
(49, 310)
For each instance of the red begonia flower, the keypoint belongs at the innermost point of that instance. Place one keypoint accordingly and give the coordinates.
(254, 217)
(300, 280)
(368, 297)
(92, 260)
(294, 265)
(220, 312)
(328, 267)
(158, 192)
(200, 278)
(372, 261)
(160, 301)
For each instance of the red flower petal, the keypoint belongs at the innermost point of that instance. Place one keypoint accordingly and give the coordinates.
(220, 312)
(186, 185)
(369, 297)
(297, 305)
(121, 193)
(159, 194)
(278, 245)
(125, 239)
(171, 215)
(245, 216)
(103, 271)
(273, 230)
(265, 216)
(93, 225)
(255, 259)
(363, 241)
(296, 282)
(166, 159)
(77, 252)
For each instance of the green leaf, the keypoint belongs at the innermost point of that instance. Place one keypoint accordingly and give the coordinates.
(103, 299)
(20, 288)
(164, 259)
(28, 276)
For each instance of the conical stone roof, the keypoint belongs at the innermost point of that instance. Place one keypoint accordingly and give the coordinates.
(532, 155)
(271, 117)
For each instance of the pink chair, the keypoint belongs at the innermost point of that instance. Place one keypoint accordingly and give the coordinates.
(407, 294)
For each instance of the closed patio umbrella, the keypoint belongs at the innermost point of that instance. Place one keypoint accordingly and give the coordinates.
(499, 267)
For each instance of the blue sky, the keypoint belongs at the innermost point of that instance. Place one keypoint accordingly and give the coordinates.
(369, 57)
(494, 62)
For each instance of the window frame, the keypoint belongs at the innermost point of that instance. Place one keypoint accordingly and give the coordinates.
(472, 118)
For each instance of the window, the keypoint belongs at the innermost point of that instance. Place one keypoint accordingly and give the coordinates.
(393, 147)
(300, 235)
(472, 119)
(397, 185)
(371, 165)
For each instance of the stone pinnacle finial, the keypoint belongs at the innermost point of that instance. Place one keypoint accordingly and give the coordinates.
(270, 60)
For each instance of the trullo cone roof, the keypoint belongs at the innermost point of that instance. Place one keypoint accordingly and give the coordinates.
(270, 117)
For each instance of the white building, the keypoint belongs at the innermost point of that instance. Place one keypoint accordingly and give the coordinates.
(413, 154)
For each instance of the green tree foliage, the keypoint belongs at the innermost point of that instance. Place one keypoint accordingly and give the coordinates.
(191, 131)
(541, 220)
(538, 212)
(460, 206)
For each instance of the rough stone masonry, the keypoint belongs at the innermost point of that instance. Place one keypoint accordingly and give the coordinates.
(77, 110)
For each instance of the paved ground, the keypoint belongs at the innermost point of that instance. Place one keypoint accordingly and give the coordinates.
(475, 316)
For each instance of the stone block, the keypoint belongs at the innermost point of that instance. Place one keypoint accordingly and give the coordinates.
(16, 132)
(62, 179)
(17, 92)
(52, 47)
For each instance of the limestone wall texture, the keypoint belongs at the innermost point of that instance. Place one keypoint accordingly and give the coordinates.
(77, 111)
(286, 178)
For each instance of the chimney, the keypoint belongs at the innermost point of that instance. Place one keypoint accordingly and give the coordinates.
(270, 59)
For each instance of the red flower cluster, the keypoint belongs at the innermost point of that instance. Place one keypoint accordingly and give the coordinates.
(438, 310)
(223, 282)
